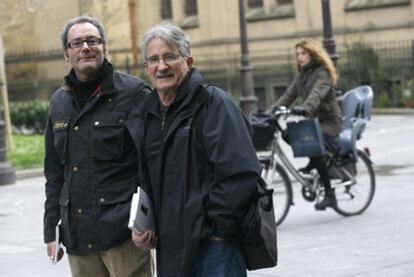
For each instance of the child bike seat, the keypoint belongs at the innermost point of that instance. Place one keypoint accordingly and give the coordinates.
(356, 106)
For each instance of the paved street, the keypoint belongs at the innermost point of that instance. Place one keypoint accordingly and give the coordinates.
(378, 243)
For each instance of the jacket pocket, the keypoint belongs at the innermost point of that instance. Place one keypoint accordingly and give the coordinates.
(66, 234)
(114, 216)
(60, 134)
(108, 136)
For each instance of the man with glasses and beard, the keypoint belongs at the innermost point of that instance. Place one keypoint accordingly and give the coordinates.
(90, 162)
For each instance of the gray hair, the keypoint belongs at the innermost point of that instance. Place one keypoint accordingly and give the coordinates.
(172, 35)
(81, 19)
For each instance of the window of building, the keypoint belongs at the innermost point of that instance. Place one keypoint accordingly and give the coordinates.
(166, 9)
(255, 4)
(278, 91)
(269, 9)
(284, 2)
(191, 15)
(190, 7)
(354, 5)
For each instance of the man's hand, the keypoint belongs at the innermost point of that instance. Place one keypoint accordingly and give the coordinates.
(298, 110)
(145, 240)
(51, 246)
(275, 109)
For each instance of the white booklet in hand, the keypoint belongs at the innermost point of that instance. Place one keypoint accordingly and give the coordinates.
(58, 245)
(141, 217)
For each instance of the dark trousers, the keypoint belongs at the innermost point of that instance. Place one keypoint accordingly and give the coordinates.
(331, 144)
(219, 258)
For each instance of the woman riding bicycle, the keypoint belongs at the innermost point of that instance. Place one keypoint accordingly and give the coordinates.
(315, 84)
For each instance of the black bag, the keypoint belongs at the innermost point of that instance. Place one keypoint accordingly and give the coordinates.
(305, 138)
(258, 230)
(263, 131)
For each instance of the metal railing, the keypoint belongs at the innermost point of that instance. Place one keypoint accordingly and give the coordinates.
(377, 64)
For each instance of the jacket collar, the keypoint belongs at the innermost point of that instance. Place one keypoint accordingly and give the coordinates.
(310, 66)
(186, 94)
(104, 80)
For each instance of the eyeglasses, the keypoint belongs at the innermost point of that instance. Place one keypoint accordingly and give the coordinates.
(90, 41)
(167, 58)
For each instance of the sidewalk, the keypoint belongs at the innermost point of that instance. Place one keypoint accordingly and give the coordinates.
(22, 251)
(378, 243)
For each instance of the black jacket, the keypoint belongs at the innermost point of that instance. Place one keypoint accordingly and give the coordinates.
(91, 165)
(202, 170)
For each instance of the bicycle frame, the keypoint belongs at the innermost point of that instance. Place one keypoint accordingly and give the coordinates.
(353, 194)
(279, 157)
(284, 160)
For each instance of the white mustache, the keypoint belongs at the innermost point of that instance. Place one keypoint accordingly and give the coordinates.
(160, 74)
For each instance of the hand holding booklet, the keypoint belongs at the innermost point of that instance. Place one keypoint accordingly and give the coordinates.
(141, 217)
(58, 253)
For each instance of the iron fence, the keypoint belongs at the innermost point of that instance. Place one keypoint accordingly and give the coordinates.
(387, 66)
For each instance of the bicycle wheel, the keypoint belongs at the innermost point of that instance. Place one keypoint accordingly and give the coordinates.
(354, 198)
(282, 193)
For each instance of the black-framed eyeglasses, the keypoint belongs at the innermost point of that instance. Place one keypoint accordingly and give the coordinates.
(90, 41)
(167, 58)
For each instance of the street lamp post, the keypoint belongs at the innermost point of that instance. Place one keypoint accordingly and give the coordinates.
(7, 175)
(248, 100)
(328, 40)
(133, 35)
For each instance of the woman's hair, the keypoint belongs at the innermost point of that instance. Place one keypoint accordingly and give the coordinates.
(319, 54)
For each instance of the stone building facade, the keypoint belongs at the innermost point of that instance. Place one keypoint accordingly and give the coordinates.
(273, 27)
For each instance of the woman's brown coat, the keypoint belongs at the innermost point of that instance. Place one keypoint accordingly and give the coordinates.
(314, 86)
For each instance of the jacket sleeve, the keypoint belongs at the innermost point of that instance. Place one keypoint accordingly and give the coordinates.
(234, 165)
(320, 89)
(135, 125)
(53, 170)
(290, 95)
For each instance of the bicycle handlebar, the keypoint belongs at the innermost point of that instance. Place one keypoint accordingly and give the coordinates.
(272, 118)
(281, 111)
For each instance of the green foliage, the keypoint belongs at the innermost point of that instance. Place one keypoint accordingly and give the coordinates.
(408, 95)
(29, 116)
(382, 101)
(362, 63)
(365, 66)
(28, 151)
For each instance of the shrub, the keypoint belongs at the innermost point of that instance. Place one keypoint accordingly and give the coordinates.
(363, 63)
(28, 151)
(29, 116)
(382, 100)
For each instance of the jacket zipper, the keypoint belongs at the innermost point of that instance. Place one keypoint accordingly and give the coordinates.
(163, 118)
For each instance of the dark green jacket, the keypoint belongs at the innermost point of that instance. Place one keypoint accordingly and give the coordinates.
(91, 165)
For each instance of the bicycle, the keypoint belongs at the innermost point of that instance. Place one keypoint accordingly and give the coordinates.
(351, 169)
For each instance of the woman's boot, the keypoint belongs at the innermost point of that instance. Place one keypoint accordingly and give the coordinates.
(328, 201)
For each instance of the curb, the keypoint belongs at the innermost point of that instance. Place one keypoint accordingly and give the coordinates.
(393, 111)
(29, 173)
